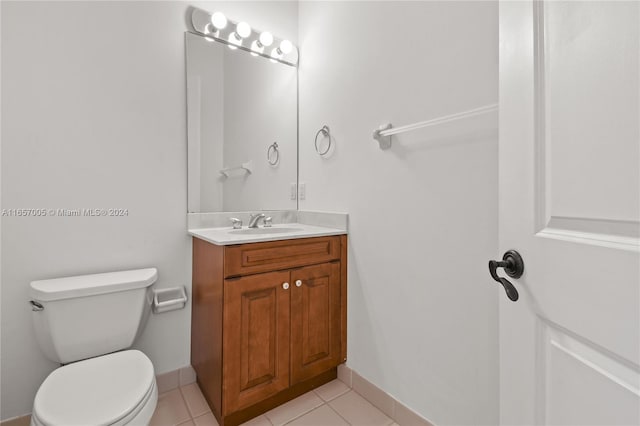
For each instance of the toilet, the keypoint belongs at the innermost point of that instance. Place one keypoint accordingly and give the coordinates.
(87, 323)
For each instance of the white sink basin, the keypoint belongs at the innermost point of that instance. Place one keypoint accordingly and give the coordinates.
(258, 231)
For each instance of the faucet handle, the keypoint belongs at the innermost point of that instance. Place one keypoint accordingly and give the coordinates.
(268, 222)
(237, 223)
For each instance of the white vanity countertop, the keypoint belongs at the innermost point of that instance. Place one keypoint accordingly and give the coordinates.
(227, 235)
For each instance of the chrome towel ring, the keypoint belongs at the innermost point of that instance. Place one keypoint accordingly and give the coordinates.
(325, 133)
(273, 154)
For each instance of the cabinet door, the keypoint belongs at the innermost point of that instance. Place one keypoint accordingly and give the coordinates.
(256, 338)
(315, 320)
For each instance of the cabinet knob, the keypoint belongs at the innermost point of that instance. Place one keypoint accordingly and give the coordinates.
(285, 286)
(298, 283)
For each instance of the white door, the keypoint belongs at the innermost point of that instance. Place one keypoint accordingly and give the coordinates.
(570, 205)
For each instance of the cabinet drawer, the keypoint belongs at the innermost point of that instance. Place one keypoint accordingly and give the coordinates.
(273, 255)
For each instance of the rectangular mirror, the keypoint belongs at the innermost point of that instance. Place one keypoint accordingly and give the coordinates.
(242, 124)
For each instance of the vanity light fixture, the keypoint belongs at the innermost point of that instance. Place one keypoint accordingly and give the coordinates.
(240, 35)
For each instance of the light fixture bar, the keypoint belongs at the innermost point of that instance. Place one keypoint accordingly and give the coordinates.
(240, 35)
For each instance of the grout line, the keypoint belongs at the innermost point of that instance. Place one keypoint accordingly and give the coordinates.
(318, 395)
(263, 415)
(335, 397)
(184, 401)
(336, 411)
(303, 414)
(203, 414)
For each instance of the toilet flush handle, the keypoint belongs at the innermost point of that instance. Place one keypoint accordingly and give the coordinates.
(36, 306)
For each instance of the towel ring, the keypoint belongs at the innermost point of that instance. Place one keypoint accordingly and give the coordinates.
(325, 133)
(273, 149)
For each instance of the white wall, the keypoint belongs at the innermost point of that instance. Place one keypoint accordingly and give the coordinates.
(93, 104)
(422, 215)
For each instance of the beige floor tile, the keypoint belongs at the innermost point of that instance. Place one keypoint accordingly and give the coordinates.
(358, 411)
(171, 410)
(321, 416)
(332, 390)
(187, 423)
(258, 421)
(196, 403)
(206, 420)
(294, 408)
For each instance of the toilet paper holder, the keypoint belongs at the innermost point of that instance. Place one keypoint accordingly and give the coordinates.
(169, 299)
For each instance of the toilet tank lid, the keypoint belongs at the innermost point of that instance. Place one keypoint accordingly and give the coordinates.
(90, 285)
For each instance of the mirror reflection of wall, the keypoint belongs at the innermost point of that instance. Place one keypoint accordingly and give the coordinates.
(237, 106)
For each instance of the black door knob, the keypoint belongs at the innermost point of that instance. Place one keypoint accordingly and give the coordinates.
(514, 267)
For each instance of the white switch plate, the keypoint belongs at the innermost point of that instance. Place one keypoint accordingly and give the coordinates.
(293, 191)
(303, 190)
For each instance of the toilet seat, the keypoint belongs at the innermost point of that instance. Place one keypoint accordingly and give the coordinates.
(107, 390)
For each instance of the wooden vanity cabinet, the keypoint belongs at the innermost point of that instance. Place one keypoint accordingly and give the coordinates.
(268, 321)
(255, 339)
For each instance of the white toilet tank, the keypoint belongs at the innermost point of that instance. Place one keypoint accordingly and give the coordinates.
(90, 315)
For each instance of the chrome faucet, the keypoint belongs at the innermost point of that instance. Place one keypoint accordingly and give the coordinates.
(254, 219)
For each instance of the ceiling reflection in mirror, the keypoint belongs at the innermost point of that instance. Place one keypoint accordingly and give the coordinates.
(242, 124)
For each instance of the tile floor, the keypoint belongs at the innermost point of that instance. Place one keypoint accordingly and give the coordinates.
(333, 404)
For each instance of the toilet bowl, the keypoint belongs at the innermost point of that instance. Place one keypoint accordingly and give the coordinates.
(116, 389)
(87, 323)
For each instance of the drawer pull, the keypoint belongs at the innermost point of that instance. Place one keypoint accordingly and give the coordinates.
(298, 283)
(285, 286)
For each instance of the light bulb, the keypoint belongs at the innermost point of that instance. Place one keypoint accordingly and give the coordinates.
(276, 54)
(266, 39)
(243, 29)
(256, 48)
(234, 41)
(218, 20)
(286, 46)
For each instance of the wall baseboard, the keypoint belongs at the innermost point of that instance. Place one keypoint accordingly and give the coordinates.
(175, 379)
(384, 402)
